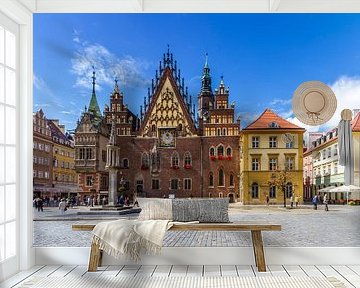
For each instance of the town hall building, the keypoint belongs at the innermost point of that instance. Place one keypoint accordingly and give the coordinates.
(168, 149)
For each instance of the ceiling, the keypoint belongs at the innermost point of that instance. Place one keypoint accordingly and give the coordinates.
(212, 6)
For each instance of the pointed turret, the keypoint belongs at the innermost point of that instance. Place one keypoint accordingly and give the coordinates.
(206, 78)
(94, 106)
(206, 96)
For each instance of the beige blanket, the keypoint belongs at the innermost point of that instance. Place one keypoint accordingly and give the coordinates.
(130, 237)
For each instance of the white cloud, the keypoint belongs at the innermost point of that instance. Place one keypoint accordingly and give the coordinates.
(45, 94)
(107, 65)
(42, 105)
(278, 101)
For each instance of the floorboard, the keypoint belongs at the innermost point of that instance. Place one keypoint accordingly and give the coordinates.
(147, 271)
(349, 275)
(129, 270)
(294, 271)
(195, 271)
(62, 271)
(162, 271)
(78, 271)
(245, 271)
(212, 270)
(261, 274)
(20, 277)
(112, 270)
(228, 270)
(100, 271)
(178, 270)
(355, 268)
(311, 271)
(277, 270)
(328, 271)
(46, 271)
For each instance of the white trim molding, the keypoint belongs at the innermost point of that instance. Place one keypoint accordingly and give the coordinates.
(209, 256)
(190, 6)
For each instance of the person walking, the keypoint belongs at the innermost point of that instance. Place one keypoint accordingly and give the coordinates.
(315, 201)
(40, 205)
(325, 201)
(296, 201)
(62, 206)
(292, 201)
(267, 199)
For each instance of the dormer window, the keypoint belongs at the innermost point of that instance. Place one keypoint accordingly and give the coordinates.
(274, 125)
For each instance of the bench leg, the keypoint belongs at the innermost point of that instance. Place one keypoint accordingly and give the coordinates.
(258, 250)
(95, 257)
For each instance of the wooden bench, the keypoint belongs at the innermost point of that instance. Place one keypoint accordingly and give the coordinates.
(255, 228)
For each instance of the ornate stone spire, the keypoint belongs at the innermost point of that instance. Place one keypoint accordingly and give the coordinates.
(94, 106)
(116, 87)
(112, 139)
(206, 78)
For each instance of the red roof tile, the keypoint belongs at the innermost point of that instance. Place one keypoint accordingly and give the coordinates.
(266, 118)
(355, 123)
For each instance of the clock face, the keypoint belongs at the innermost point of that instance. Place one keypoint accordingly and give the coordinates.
(167, 137)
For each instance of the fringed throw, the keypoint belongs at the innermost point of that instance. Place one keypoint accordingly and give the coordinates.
(131, 237)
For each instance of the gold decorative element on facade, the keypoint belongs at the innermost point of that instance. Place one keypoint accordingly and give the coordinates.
(167, 112)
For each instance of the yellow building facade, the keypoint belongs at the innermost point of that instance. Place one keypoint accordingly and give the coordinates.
(64, 175)
(268, 145)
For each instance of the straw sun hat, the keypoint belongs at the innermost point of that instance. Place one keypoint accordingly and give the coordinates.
(314, 103)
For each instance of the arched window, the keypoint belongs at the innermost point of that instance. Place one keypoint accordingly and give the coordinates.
(288, 189)
(212, 151)
(180, 127)
(187, 159)
(231, 181)
(220, 150)
(153, 128)
(125, 163)
(211, 179)
(175, 160)
(224, 132)
(221, 178)
(145, 160)
(254, 190)
(228, 151)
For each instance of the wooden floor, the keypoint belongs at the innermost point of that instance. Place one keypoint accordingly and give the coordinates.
(350, 275)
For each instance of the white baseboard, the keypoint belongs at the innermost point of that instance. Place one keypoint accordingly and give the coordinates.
(210, 256)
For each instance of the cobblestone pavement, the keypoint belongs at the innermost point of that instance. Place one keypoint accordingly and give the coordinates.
(301, 227)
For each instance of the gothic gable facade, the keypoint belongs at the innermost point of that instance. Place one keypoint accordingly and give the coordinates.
(168, 108)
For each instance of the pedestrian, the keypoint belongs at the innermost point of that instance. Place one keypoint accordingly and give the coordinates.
(35, 203)
(40, 205)
(315, 201)
(121, 200)
(291, 201)
(297, 201)
(267, 199)
(62, 206)
(325, 201)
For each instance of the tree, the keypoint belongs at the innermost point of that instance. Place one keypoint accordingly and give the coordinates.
(280, 179)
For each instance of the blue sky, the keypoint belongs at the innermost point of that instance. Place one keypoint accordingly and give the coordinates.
(263, 58)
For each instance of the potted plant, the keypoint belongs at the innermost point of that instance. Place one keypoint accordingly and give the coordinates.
(221, 157)
(187, 166)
